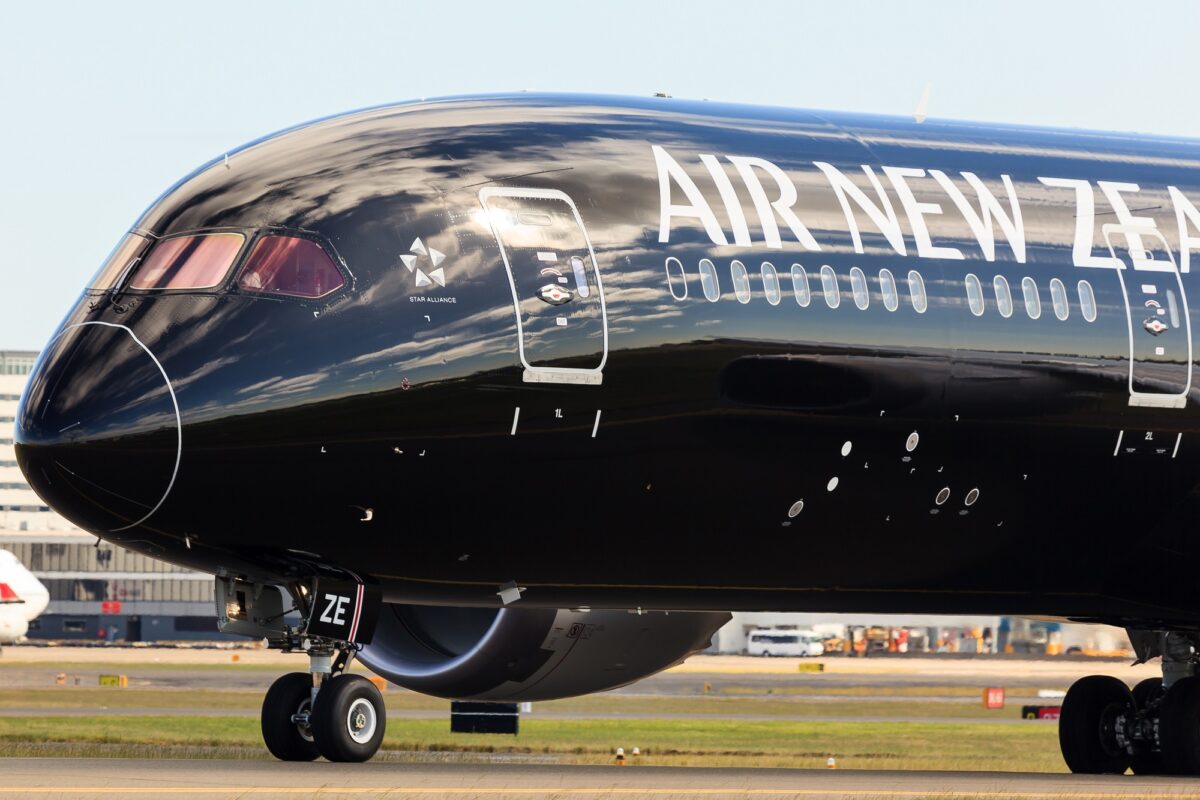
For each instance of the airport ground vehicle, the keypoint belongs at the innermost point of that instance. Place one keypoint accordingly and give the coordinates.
(772, 642)
(409, 369)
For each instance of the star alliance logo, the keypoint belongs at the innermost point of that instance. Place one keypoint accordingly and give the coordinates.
(419, 252)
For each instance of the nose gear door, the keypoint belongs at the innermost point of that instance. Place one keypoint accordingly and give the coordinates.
(1156, 307)
(562, 322)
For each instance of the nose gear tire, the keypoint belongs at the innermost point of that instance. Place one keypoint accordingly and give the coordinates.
(288, 740)
(349, 718)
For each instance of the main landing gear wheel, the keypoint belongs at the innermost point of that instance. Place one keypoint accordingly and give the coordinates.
(1145, 761)
(1087, 727)
(288, 697)
(349, 719)
(1179, 727)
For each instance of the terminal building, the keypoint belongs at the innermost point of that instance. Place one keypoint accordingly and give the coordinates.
(98, 591)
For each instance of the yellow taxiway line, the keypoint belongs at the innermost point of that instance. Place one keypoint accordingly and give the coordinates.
(560, 791)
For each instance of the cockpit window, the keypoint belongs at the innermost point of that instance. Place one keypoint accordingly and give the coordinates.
(188, 262)
(290, 266)
(129, 248)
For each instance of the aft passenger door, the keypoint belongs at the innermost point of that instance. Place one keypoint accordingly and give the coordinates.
(558, 296)
(1156, 308)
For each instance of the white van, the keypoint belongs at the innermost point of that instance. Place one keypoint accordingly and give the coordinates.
(784, 643)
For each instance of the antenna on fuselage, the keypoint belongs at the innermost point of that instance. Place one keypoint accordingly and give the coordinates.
(922, 110)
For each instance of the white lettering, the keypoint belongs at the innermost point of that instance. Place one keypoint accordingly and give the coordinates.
(1085, 224)
(697, 208)
(733, 206)
(916, 213)
(883, 215)
(335, 609)
(1137, 248)
(989, 209)
(768, 210)
(1185, 211)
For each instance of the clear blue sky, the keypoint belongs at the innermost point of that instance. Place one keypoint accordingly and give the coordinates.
(106, 104)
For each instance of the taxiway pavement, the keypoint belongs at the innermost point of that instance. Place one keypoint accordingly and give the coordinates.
(121, 778)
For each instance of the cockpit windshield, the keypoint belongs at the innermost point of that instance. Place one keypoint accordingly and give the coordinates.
(292, 266)
(278, 264)
(129, 248)
(188, 262)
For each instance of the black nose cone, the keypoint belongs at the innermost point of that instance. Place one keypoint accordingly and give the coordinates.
(97, 433)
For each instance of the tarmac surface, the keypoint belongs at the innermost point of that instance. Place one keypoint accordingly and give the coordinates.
(109, 778)
(256, 669)
(402, 713)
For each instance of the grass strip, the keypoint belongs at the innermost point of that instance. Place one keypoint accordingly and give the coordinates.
(703, 742)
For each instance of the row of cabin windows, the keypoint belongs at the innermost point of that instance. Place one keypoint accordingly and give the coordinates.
(1031, 297)
(710, 284)
(888, 289)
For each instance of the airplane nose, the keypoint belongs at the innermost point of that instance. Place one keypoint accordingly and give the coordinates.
(98, 432)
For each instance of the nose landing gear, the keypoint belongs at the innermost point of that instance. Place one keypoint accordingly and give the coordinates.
(1153, 729)
(325, 711)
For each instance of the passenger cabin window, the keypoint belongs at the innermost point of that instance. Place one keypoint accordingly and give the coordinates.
(800, 286)
(887, 287)
(770, 279)
(128, 249)
(1004, 303)
(676, 278)
(581, 283)
(829, 287)
(708, 281)
(1173, 308)
(1087, 301)
(1033, 301)
(858, 287)
(974, 295)
(1058, 298)
(188, 262)
(916, 292)
(741, 281)
(290, 266)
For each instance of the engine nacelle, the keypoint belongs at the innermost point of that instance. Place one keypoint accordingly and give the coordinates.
(529, 654)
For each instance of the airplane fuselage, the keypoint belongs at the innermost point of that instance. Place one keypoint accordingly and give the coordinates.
(663, 354)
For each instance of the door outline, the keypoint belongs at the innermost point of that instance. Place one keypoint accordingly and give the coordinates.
(1150, 399)
(532, 374)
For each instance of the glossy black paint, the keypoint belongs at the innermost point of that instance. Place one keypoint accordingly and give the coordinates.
(297, 417)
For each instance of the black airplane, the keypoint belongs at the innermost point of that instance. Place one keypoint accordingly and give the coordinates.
(515, 397)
